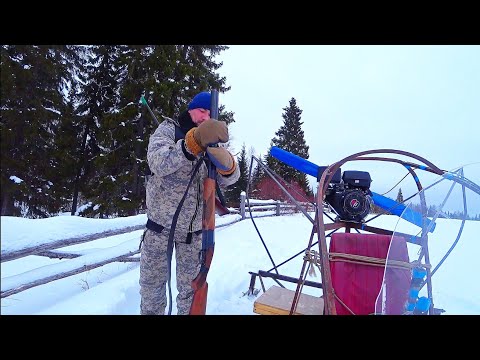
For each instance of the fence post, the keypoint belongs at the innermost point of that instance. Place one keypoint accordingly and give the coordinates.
(278, 208)
(242, 204)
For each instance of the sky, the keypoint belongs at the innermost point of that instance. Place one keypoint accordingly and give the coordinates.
(424, 99)
(113, 289)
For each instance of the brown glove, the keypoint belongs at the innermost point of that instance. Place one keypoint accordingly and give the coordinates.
(222, 159)
(209, 132)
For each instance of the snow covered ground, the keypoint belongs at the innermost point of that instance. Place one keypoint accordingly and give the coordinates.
(114, 288)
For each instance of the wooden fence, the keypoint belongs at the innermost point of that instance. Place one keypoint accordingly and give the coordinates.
(279, 207)
(125, 252)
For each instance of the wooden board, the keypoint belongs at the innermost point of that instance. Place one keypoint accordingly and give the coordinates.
(278, 301)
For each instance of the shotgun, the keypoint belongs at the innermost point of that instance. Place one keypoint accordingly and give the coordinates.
(199, 284)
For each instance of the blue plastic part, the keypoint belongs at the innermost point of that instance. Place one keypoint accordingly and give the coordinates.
(423, 304)
(419, 273)
(413, 293)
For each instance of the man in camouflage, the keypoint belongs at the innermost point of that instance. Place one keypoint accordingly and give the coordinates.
(172, 163)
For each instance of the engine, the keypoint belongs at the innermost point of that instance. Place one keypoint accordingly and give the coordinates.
(350, 195)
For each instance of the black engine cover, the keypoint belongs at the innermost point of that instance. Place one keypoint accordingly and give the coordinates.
(350, 204)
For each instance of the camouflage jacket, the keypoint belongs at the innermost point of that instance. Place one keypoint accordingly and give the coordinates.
(172, 171)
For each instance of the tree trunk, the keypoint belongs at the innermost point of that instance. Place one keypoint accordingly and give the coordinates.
(136, 166)
(81, 165)
(7, 203)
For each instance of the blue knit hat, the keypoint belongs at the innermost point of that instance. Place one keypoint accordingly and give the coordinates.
(201, 100)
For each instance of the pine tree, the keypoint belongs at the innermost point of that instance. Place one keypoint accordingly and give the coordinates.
(72, 122)
(168, 76)
(257, 172)
(232, 194)
(244, 161)
(35, 80)
(400, 196)
(290, 137)
(97, 158)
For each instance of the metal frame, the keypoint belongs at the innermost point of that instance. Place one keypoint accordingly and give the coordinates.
(321, 229)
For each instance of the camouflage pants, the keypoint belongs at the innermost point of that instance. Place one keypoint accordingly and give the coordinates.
(154, 270)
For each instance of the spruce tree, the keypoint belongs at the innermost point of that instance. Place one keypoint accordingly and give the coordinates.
(35, 80)
(290, 137)
(257, 175)
(232, 194)
(399, 196)
(98, 100)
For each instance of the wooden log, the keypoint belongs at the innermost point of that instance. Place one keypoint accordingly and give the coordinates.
(8, 256)
(58, 276)
(63, 255)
